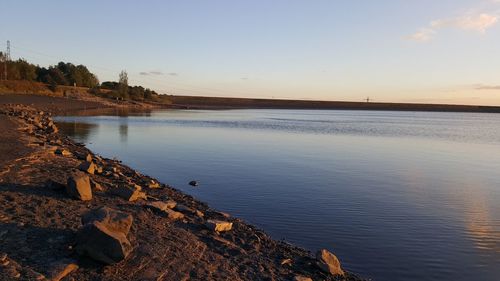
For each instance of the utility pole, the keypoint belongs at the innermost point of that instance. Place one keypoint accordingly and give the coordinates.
(7, 54)
(5, 60)
(3, 64)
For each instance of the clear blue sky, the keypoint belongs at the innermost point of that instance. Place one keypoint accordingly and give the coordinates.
(445, 51)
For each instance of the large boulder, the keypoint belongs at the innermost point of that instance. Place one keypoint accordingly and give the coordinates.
(328, 262)
(103, 236)
(78, 186)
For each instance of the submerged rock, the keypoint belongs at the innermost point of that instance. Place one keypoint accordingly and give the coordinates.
(103, 236)
(78, 186)
(328, 262)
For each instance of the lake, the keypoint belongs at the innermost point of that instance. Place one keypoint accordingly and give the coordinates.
(395, 195)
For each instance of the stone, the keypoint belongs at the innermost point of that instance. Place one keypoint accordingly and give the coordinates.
(193, 183)
(286, 262)
(173, 215)
(171, 204)
(63, 152)
(166, 208)
(85, 156)
(301, 278)
(219, 226)
(184, 209)
(199, 213)
(328, 262)
(88, 167)
(128, 193)
(54, 129)
(152, 184)
(95, 186)
(78, 186)
(157, 205)
(111, 169)
(103, 236)
(114, 220)
(61, 270)
(98, 169)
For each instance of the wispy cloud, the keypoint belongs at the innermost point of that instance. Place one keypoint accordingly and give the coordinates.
(173, 74)
(487, 87)
(475, 22)
(153, 72)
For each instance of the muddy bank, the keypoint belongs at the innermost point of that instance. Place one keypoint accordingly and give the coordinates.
(83, 104)
(172, 235)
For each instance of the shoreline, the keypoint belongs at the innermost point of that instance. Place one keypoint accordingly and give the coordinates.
(37, 209)
(200, 102)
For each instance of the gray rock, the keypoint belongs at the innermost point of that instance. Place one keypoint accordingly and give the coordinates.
(78, 186)
(104, 235)
(328, 262)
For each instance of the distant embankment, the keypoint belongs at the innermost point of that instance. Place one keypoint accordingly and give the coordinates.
(195, 102)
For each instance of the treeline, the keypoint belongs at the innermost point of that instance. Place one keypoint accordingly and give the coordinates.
(137, 93)
(66, 74)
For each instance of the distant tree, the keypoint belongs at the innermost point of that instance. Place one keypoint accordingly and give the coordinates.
(27, 71)
(123, 85)
(109, 85)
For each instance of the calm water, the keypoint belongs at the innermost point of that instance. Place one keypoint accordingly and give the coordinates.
(395, 195)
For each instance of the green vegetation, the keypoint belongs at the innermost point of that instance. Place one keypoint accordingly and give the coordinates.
(68, 74)
(65, 74)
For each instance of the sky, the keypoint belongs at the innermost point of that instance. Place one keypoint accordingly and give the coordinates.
(445, 51)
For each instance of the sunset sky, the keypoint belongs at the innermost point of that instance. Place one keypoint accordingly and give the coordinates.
(445, 51)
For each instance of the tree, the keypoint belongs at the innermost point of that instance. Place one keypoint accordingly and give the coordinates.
(123, 85)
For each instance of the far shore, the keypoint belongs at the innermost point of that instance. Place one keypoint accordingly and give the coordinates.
(198, 102)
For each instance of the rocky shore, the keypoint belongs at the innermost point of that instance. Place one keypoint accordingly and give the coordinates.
(69, 214)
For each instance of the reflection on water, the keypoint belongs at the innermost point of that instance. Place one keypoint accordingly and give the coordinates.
(123, 128)
(80, 131)
(397, 195)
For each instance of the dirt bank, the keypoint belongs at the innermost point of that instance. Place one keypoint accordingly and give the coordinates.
(39, 222)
